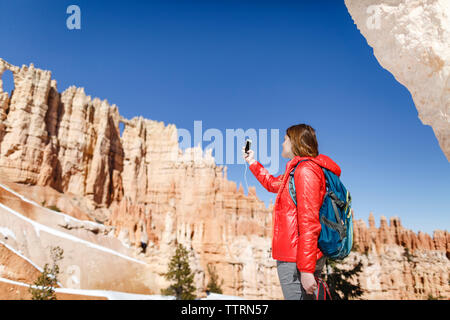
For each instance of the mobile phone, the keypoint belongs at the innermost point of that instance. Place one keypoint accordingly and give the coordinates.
(248, 143)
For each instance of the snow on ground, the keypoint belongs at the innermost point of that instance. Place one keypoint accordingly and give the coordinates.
(67, 217)
(7, 233)
(25, 258)
(111, 295)
(22, 256)
(216, 296)
(117, 295)
(40, 227)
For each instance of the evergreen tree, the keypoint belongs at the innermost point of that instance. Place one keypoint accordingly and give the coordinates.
(180, 272)
(48, 280)
(337, 281)
(213, 284)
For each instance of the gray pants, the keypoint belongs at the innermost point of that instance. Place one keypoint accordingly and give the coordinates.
(290, 279)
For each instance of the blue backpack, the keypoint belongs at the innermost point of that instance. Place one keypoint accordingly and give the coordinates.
(336, 235)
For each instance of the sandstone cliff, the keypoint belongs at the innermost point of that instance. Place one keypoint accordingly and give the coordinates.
(399, 264)
(141, 184)
(411, 39)
(141, 194)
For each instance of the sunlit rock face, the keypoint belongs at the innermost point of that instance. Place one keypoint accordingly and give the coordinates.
(411, 39)
(128, 197)
(136, 181)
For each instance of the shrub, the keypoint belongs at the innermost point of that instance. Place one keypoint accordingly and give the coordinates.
(44, 285)
(337, 280)
(180, 272)
(213, 284)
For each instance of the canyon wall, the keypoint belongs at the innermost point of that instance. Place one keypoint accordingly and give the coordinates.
(140, 182)
(411, 39)
(398, 263)
(67, 150)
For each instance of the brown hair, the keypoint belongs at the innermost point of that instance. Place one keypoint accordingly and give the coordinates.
(303, 140)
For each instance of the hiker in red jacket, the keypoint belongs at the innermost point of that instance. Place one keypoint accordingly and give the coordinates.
(296, 229)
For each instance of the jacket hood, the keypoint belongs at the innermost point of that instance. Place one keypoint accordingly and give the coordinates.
(322, 160)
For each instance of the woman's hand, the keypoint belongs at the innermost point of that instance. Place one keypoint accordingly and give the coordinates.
(249, 157)
(308, 282)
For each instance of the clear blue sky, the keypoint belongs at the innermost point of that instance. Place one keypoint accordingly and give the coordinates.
(248, 64)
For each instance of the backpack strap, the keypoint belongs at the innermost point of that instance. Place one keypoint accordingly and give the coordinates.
(292, 184)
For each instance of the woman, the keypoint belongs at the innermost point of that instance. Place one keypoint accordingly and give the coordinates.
(296, 229)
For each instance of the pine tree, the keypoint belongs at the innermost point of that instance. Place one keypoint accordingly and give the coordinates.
(180, 272)
(48, 280)
(213, 284)
(337, 281)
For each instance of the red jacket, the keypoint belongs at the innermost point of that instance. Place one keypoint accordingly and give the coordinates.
(295, 230)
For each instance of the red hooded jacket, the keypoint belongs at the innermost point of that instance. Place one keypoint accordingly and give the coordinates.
(295, 230)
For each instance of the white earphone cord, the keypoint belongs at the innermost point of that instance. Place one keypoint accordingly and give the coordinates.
(245, 175)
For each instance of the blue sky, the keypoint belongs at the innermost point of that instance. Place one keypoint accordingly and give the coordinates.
(246, 64)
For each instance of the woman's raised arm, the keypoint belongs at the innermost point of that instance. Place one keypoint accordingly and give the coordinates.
(268, 181)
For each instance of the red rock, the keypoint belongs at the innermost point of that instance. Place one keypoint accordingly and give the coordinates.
(152, 194)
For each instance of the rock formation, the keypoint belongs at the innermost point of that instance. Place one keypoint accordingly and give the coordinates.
(411, 39)
(399, 264)
(136, 194)
(378, 239)
(141, 184)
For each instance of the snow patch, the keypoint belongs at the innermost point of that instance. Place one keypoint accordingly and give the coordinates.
(216, 296)
(40, 227)
(67, 218)
(7, 233)
(111, 295)
(22, 256)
